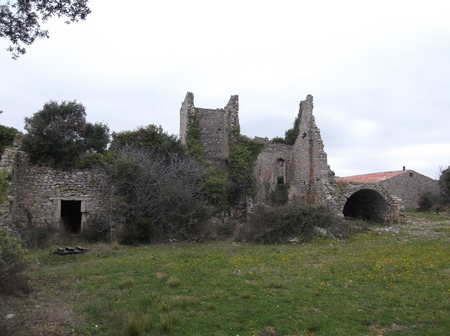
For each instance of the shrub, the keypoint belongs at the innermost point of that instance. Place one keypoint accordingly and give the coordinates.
(278, 140)
(243, 154)
(270, 225)
(291, 134)
(4, 184)
(6, 137)
(12, 264)
(40, 237)
(280, 195)
(444, 184)
(428, 200)
(159, 197)
(95, 159)
(96, 229)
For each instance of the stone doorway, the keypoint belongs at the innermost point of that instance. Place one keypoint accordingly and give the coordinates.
(71, 215)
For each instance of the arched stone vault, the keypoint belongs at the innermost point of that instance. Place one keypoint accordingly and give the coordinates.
(367, 201)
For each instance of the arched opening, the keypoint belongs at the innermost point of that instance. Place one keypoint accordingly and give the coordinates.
(71, 215)
(366, 204)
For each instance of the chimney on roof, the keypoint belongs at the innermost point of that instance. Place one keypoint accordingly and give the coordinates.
(404, 168)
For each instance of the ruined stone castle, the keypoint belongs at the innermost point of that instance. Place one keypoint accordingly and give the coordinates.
(50, 197)
(303, 165)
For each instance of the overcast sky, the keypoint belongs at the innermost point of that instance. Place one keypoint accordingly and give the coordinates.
(379, 72)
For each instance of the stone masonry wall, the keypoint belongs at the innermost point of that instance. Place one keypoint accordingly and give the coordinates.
(313, 176)
(41, 190)
(274, 161)
(216, 126)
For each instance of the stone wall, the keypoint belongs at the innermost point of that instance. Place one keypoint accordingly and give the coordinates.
(39, 191)
(313, 176)
(274, 161)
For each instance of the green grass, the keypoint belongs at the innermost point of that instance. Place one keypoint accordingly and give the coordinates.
(425, 215)
(373, 282)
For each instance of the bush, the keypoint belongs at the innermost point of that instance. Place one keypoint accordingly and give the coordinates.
(444, 185)
(270, 225)
(158, 197)
(7, 135)
(12, 264)
(428, 200)
(280, 195)
(40, 237)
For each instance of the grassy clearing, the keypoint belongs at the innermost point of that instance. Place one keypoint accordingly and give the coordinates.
(375, 284)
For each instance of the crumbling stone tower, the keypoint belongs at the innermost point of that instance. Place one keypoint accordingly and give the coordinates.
(216, 126)
(312, 174)
(303, 165)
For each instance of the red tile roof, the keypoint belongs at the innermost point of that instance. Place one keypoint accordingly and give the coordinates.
(369, 178)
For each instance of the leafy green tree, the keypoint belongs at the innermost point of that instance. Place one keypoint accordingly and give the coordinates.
(59, 135)
(151, 138)
(6, 137)
(20, 20)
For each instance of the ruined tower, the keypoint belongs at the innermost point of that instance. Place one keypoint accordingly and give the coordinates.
(312, 174)
(216, 126)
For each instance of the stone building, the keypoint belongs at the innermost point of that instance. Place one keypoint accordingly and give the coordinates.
(303, 166)
(406, 184)
(45, 196)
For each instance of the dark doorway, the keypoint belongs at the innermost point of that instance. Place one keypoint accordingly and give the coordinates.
(71, 215)
(366, 204)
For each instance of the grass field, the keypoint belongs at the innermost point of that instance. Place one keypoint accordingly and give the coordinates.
(379, 283)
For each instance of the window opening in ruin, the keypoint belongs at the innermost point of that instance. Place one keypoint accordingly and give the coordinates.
(281, 170)
(71, 215)
(367, 205)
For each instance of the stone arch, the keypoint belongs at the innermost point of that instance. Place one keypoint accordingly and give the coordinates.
(370, 202)
(366, 204)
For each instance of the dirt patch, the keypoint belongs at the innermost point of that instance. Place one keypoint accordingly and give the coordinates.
(39, 314)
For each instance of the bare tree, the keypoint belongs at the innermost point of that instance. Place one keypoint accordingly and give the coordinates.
(160, 197)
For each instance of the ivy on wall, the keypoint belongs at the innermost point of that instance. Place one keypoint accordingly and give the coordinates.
(215, 181)
(243, 154)
(193, 143)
